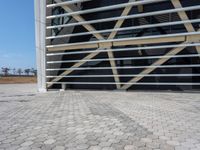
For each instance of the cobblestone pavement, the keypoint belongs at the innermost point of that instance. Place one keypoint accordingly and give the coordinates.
(97, 120)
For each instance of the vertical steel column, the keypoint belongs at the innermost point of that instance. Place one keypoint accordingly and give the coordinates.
(40, 33)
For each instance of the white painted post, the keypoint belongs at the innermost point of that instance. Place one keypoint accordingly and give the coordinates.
(40, 34)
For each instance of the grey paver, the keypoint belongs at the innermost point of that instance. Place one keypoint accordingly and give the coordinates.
(97, 120)
(49, 141)
(27, 143)
(95, 148)
(173, 143)
(130, 147)
(59, 148)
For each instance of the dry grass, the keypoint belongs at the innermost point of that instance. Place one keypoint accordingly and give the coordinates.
(13, 80)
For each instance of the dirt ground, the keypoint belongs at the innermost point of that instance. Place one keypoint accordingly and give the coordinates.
(13, 80)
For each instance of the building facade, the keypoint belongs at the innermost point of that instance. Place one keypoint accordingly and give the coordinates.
(118, 44)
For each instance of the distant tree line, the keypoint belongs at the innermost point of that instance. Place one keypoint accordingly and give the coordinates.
(5, 71)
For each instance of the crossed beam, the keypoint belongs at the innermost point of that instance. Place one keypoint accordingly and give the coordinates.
(90, 28)
(183, 16)
(189, 39)
(189, 28)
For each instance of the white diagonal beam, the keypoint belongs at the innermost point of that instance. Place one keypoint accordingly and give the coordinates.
(98, 36)
(159, 62)
(76, 65)
(183, 16)
(80, 19)
(149, 70)
(119, 23)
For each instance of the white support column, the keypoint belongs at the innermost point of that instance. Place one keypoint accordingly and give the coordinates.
(40, 34)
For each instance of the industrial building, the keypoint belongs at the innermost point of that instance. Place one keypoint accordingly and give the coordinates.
(118, 44)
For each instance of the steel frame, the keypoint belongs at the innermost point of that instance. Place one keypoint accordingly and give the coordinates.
(104, 44)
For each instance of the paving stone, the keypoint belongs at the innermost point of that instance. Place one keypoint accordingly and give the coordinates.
(130, 147)
(108, 148)
(105, 144)
(98, 120)
(95, 148)
(146, 140)
(24, 148)
(113, 141)
(82, 146)
(173, 143)
(92, 143)
(27, 143)
(59, 148)
(49, 141)
(181, 148)
(167, 147)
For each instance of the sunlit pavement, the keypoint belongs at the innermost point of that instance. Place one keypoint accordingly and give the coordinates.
(97, 120)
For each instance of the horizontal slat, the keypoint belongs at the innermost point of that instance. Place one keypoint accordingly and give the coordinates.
(106, 8)
(66, 3)
(116, 42)
(125, 49)
(127, 75)
(127, 28)
(132, 83)
(127, 58)
(127, 67)
(127, 17)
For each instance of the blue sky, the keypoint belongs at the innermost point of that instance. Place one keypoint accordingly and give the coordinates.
(17, 34)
